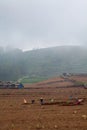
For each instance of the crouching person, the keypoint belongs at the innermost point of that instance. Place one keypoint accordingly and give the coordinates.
(32, 101)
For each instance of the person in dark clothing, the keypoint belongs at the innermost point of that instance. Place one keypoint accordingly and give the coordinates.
(32, 101)
(41, 101)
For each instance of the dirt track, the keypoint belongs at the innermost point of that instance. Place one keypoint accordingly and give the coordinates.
(14, 115)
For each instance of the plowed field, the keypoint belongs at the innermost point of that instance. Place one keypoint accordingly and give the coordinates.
(15, 115)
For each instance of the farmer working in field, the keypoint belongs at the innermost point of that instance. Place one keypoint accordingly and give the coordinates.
(32, 101)
(41, 101)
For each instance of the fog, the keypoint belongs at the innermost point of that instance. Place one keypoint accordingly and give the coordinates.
(31, 24)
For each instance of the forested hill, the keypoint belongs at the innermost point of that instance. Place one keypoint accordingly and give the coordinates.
(49, 62)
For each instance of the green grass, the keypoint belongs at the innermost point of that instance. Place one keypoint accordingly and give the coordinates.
(33, 80)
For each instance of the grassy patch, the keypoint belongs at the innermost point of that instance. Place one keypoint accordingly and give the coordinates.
(33, 80)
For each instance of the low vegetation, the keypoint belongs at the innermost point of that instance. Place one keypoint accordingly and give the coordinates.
(32, 79)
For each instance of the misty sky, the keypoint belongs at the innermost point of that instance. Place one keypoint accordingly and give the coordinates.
(28, 24)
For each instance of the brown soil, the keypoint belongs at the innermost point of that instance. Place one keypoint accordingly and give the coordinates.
(79, 78)
(15, 115)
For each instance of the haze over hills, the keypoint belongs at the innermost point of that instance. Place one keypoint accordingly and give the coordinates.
(48, 62)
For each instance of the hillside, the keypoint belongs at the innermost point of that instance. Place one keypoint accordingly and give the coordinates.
(49, 62)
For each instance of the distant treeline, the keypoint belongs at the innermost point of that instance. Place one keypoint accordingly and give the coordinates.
(15, 64)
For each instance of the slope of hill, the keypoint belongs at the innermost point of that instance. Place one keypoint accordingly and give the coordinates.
(56, 82)
(71, 81)
(49, 62)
